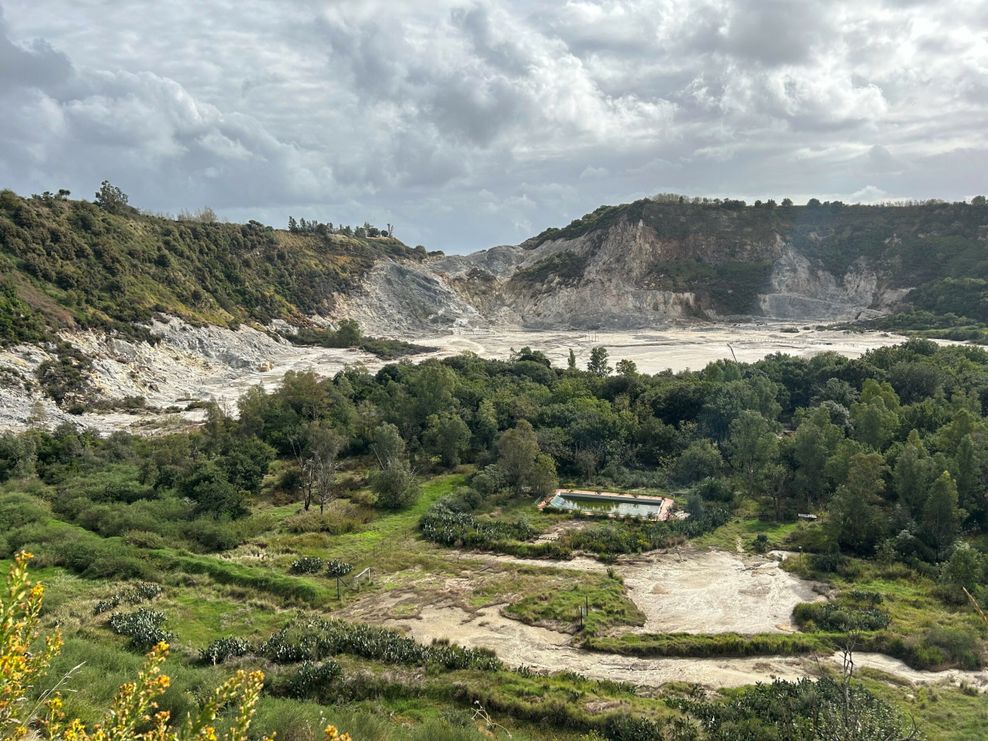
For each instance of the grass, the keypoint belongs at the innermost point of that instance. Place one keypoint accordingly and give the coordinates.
(559, 605)
(942, 713)
(248, 592)
(720, 644)
(743, 531)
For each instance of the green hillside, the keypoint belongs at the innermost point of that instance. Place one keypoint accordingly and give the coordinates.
(67, 263)
(724, 249)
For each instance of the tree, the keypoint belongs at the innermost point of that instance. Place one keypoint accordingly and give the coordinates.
(522, 462)
(447, 436)
(627, 368)
(856, 520)
(571, 360)
(348, 333)
(752, 447)
(324, 449)
(597, 364)
(395, 485)
(968, 475)
(702, 459)
(913, 474)
(394, 482)
(111, 199)
(213, 494)
(941, 515)
(815, 440)
(965, 568)
(316, 454)
(387, 445)
(246, 462)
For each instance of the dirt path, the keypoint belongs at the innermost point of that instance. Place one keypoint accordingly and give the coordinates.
(519, 645)
(538, 648)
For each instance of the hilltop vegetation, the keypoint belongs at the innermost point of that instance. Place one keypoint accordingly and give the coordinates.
(723, 250)
(66, 263)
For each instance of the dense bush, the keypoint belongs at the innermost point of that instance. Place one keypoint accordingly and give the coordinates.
(224, 648)
(317, 639)
(852, 612)
(309, 680)
(810, 710)
(134, 595)
(307, 565)
(143, 627)
(444, 526)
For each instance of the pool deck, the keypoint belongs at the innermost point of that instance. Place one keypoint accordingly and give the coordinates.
(664, 504)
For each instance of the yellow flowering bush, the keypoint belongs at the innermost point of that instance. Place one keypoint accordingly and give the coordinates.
(133, 715)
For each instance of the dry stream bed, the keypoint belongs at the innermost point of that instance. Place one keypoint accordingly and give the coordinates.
(681, 591)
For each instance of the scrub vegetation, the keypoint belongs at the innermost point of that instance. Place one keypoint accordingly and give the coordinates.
(293, 537)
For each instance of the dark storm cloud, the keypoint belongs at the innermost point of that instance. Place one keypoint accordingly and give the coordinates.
(475, 122)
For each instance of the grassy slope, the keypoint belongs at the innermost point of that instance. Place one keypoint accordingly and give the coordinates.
(239, 594)
(199, 607)
(66, 263)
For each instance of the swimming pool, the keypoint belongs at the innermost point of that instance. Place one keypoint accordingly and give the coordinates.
(610, 504)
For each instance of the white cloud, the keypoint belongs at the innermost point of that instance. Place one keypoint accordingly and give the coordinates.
(468, 122)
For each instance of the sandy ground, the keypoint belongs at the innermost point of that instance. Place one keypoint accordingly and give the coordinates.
(541, 649)
(702, 591)
(215, 364)
(677, 348)
(686, 590)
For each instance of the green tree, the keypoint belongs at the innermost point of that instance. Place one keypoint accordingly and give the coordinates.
(876, 417)
(969, 477)
(941, 515)
(111, 199)
(702, 459)
(348, 333)
(856, 519)
(965, 568)
(913, 474)
(752, 447)
(522, 462)
(213, 494)
(387, 444)
(627, 368)
(597, 365)
(571, 360)
(447, 436)
(815, 441)
(395, 485)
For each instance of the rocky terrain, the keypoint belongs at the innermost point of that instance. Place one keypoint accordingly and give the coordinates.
(164, 315)
(651, 264)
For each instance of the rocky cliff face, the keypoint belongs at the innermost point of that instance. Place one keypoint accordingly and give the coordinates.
(641, 267)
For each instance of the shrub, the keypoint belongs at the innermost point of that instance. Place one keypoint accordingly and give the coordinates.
(140, 592)
(309, 680)
(306, 565)
(839, 616)
(444, 526)
(318, 639)
(143, 627)
(224, 648)
(805, 709)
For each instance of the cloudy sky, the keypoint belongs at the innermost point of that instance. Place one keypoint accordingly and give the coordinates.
(469, 123)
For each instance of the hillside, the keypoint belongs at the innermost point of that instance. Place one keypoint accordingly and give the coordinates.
(72, 265)
(649, 261)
